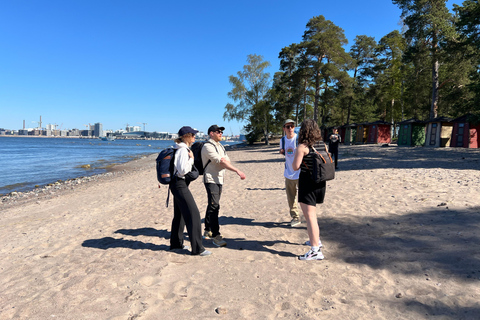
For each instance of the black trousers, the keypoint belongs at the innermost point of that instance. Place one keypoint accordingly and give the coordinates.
(185, 213)
(334, 152)
(214, 192)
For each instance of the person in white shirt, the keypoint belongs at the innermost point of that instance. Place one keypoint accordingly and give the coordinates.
(288, 145)
(185, 212)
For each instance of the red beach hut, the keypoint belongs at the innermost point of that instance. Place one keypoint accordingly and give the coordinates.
(466, 131)
(379, 132)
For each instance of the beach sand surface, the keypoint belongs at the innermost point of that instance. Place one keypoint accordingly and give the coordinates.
(400, 228)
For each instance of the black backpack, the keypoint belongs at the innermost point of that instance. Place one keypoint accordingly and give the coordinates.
(323, 166)
(165, 165)
(197, 155)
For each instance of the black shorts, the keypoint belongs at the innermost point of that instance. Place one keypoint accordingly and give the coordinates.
(310, 192)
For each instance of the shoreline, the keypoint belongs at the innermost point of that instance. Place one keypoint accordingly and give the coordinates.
(60, 186)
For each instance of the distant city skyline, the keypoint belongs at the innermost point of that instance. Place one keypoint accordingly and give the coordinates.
(89, 126)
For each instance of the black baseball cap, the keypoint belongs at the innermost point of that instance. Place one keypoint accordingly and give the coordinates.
(186, 129)
(215, 128)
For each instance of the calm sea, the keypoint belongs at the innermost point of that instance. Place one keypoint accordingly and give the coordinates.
(26, 162)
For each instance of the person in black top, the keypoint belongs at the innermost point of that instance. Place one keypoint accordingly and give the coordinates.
(309, 192)
(333, 142)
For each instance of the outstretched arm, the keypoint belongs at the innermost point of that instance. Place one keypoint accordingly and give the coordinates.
(228, 165)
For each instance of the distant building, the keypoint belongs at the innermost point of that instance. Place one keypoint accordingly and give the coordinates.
(133, 128)
(74, 133)
(86, 133)
(98, 131)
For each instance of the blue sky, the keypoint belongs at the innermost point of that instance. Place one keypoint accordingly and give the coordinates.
(162, 63)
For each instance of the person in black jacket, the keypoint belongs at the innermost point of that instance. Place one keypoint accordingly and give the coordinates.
(334, 141)
(309, 192)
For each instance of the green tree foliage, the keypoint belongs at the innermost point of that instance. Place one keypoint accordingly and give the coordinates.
(430, 25)
(432, 68)
(327, 61)
(249, 91)
(468, 26)
(296, 83)
(364, 60)
(389, 75)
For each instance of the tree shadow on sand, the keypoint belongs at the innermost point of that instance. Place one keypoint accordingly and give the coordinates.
(368, 157)
(441, 239)
(438, 244)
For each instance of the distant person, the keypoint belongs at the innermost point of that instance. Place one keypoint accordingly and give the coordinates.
(309, 192)
(334, 141)
(288, 145)
(215, 160)
(185, 212)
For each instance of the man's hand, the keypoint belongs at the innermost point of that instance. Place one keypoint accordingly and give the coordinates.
(241, 175)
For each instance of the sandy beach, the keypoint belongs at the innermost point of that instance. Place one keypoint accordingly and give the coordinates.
(400, 228)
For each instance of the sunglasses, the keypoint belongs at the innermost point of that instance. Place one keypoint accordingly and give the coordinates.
(289, 126)
(219, 131)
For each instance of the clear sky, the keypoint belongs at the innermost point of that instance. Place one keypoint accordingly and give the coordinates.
(164, 63)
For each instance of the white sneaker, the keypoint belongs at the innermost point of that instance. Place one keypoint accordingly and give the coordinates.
(205, 253)
(312, 255)
(320, 245)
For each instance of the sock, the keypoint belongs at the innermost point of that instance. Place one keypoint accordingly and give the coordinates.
(315, 249)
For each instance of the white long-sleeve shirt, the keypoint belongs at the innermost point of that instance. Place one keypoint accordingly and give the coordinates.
(182, 162)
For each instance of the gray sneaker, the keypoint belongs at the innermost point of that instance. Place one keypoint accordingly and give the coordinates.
(207, 235)
(219, 242)
(295, 222)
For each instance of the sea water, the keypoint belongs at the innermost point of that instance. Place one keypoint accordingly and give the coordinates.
(26, 162)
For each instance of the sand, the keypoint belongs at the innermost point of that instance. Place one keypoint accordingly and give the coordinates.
(400, 229)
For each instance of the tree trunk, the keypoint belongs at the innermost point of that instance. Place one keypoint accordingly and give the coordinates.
(265, 130)
(305, 99)
(317, 96)
(392, 130)
(434, 108)
(435, 84)
(351, 98)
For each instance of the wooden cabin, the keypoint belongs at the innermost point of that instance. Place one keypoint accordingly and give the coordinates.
(466, 131)
(362, 132)
(341, 132)
(439, 132)
(350, 134)
(379, 132)
(411, 133)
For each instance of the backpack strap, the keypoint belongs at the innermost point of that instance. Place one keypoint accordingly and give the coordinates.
(172, 175)
(208, 141)
(324, 161)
